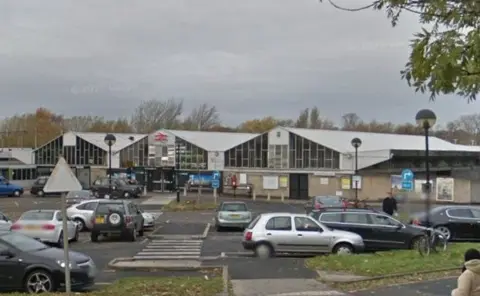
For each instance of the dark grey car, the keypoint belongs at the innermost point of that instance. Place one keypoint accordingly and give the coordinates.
(117, 217)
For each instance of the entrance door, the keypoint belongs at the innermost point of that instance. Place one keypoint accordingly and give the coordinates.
(298, 186)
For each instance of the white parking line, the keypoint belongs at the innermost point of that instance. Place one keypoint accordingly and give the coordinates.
(144, 241)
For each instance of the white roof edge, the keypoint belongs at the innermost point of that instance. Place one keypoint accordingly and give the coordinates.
(69, 132)
(130, 144)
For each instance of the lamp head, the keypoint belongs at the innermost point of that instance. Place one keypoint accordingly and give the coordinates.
(425, 118)
(356, 142)
(110, 140)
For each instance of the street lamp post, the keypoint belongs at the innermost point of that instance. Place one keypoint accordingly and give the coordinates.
(356, 143)
(426, 119)
(110, 141)
(177, 169)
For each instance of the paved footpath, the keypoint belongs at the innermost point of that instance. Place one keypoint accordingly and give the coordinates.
(282, 287)
(441, 287)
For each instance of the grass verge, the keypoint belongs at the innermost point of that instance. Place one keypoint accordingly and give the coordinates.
(394, 262)
(171, 286)
(189, 205)
(368, 285)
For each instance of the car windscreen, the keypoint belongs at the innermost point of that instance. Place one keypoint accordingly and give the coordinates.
(78, 194)
(22, 242)
(37, 216)
(329, 200)
(234, 207)
(107, 208)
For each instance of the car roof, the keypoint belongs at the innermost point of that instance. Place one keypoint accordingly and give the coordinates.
(234, 202)
(41, 211)
(282, 214)
(350, 210)
(113, 201)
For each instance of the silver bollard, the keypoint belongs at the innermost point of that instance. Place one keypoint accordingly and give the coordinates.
(184, 191)
(268, 195)
(254, 195)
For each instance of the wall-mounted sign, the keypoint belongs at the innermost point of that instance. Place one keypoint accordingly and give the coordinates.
(160, 137)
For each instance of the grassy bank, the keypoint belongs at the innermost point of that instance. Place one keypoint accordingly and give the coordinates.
(384, 263)
(174, 286)
(188, 206)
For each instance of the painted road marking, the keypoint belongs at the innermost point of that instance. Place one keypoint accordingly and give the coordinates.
(171, 249)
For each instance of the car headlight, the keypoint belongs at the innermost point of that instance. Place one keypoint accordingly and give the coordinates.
(71, 265)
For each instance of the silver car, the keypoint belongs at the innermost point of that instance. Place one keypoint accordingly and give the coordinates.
(5, 223)
(232, 214)
(274, 233)
(75, 197)
(45, 226)
(82, 213)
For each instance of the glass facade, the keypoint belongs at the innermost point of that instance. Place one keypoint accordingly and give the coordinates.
(191, 156)
(135, 154)
(83, 153)
(305, 154)
(251, 154)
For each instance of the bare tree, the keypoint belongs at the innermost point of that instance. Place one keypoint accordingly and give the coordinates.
(315, 120)
(302, 120)
(350, 121)
(469, 124)
(81, 123)
(204, 117)
(155, 114)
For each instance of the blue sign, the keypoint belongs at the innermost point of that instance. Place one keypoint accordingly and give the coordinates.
(216, 175)
(407, 175)
(215, 184)
(407, 185)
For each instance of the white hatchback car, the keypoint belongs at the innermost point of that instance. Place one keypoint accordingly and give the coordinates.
(45, 226)
(274, 233)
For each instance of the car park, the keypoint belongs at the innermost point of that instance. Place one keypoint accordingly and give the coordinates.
(378, 230)
(9, 189)
(117, 217)
(322, 202)
(273, 233)
(75, 197)
(39, 184)
(30, 266)
(82, 213)
(456, 223)
(114, 188)
(232, 214)
(45, 226)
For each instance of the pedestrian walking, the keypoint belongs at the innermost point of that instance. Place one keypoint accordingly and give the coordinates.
(389, 204)
(468, 283)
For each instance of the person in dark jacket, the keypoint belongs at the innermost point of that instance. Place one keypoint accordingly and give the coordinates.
(470, 254)
(389, 204)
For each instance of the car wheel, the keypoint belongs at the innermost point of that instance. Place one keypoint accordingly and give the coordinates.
(141, 232)
(126, 195)
(77, 234)
(263, 251)
(16, 193)
(218, 228)
(40, 193)
(94, 236)
(445, 231)
(80, 224)
(60, 240)
(39, 281)
(343, 249)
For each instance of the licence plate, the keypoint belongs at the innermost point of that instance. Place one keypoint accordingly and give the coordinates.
(100, 220)
(235, 216)
(32, 227)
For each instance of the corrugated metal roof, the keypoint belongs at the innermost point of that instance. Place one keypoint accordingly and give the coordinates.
(123, 140)
(214, 141)
(340, 141)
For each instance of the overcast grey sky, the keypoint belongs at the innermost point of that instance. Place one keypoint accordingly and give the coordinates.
(250, 58)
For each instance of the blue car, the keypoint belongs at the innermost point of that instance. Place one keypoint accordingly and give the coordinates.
(9, 189)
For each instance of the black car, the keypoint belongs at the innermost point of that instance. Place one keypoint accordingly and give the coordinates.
(378, 230)
(117, 217)
(456, 223)
(118, 187)
(39, 184)
(31, 266)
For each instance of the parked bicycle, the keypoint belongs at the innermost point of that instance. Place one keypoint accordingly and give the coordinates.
(432, 241)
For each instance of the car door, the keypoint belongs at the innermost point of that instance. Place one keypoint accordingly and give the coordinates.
(309, 237)
(278, 231)
(461, 223)
(3, 187)
(476, 226)
(388, 233)
(11, 270)
(357, 222)
(70, 225)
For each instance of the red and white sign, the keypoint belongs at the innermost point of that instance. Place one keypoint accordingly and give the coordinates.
(161, 137)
